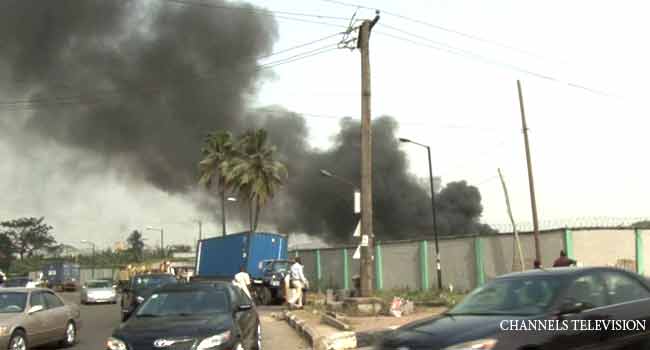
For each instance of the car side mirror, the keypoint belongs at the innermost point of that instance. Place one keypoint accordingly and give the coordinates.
(35, 308)
(572, 307)
(244, 307)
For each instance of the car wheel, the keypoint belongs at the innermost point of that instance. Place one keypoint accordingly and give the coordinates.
(18, 341)
(259, 337)
(70, 337)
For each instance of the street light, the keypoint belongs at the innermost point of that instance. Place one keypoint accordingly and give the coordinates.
(93, 245)
(162, 239)
(336, 177)
(433, 208)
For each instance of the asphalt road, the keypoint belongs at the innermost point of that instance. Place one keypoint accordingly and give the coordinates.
(100, 320)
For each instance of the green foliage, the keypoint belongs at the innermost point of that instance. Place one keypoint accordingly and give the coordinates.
(28, 235)
(7, 251)
(429, 298)
(642, 224)
(246, 165)
(136, 245)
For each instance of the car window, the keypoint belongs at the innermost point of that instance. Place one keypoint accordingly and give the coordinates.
(622, 288)
(589, 290)
(37, 299)
(184, 303)
(52, 300)
(12, 302)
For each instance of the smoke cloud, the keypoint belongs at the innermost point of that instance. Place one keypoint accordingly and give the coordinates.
(136, 86)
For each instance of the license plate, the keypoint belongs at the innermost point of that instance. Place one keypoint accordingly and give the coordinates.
(275, 283)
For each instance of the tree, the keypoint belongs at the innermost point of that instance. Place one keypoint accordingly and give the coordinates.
(254, 172)
(642, 224)
(7, 251)
(28, 235)
(136, 244)
(218, 151)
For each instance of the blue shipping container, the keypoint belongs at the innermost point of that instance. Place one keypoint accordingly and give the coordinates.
(59, 273)
(223, 256)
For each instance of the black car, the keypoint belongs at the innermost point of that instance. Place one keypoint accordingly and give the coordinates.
(560, 308)
(139, 288)
(192, 316)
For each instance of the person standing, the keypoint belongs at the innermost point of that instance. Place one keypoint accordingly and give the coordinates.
(563, 260)
(3, 277)
(298, 283)
(243, 281)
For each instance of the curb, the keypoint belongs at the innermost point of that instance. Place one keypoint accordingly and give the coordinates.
(336, 341)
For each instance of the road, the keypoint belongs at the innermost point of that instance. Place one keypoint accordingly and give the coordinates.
(100, 320)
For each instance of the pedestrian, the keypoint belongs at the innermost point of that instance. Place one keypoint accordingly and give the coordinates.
(243, 280)
(563, 260)
(298, 283)
(3, 277)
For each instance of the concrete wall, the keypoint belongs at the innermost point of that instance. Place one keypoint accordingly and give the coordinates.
(401, 265)
(457, 261)
(603, 247)
(401, 261)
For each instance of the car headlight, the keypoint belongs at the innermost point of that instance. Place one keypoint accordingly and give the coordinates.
(214, 341)
(139, 300)
(115, 344)
(480, 344)
(4, 330)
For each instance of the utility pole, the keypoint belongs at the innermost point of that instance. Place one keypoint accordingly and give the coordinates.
(533, 202)
(514, 227)
(367, 235)
(223, 212)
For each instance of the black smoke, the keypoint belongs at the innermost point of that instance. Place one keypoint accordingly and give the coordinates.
(137, 84)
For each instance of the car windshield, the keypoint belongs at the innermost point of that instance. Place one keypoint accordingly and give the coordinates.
(12, 302)
(280, 266)
(514, 296)
(185, 303)
(147, 282)
(99, 284)
(16, 282)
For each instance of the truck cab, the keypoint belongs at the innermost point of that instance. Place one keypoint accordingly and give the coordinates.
(270, 288)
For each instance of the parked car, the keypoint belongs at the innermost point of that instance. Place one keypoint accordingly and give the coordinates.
(25, 282)
(98, 291)
(566, 299)
(214, 316)
(139, 288)
(33, 317)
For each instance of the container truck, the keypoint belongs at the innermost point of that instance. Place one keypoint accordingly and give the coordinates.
(220, 258)
(61, 276)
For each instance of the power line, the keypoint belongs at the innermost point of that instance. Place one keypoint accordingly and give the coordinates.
(469, 54)
(300, 56)
(439, 27)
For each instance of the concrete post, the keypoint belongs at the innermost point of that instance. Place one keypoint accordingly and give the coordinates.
(478, 252)
(319, 272)
(379, 274)
(346, 270)
(639, 251)
(424, 265)
(568, 243)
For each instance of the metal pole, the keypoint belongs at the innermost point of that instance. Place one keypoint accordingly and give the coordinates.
(162, 244)
(223, 213)
(94, 261)
(435, 225)
(533, 203)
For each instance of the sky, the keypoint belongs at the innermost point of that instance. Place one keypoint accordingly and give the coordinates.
(587, 142)
(582, 65)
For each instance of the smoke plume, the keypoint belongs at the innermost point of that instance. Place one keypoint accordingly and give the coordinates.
(138, 84)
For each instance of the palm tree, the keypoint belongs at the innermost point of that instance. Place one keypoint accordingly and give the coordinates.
(218, 151)
(254, 172)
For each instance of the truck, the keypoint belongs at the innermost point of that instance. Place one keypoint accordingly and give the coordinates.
(220, 258)
(61, 276)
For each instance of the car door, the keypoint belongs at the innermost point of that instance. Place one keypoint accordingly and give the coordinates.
(628, 302)
(56, 313)
(247, 319)
(37, 332)
(588, 289)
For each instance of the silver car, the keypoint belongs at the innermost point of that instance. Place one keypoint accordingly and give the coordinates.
(35, 316)
(98, 291)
